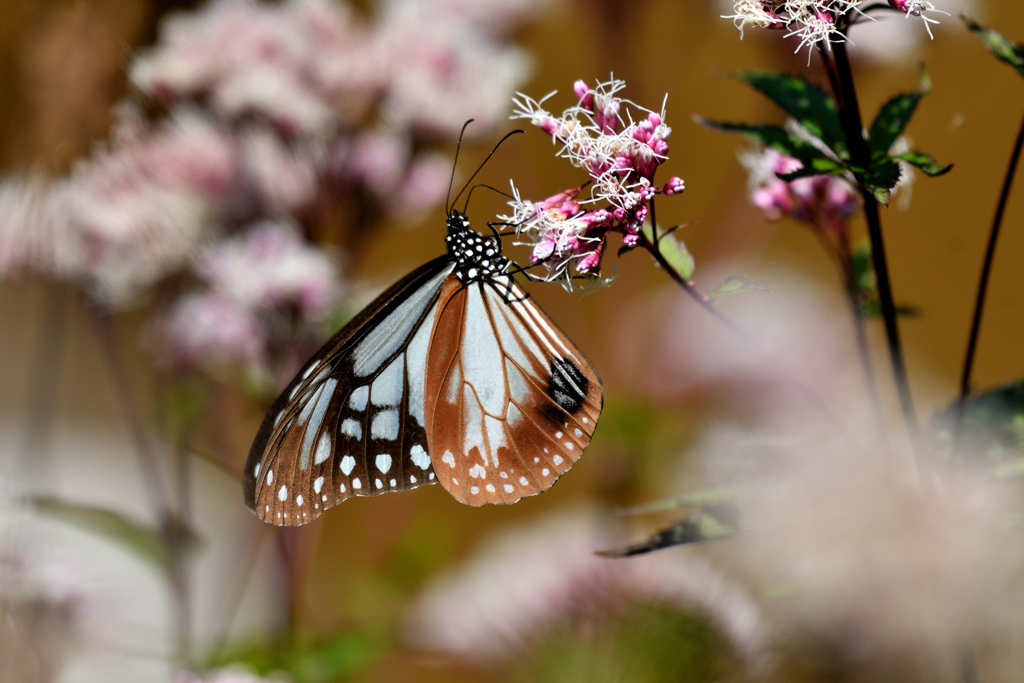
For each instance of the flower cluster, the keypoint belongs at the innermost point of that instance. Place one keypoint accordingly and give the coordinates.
(824, 202)
(815, 21)
(620, 156)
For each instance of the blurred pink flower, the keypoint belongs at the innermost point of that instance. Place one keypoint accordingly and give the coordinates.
(824, 202)
(494, 17)
(531, 578)
(211, 329)
(270, 266)
(425, 184)
(442, 72)
(282, 61)
(377, 160)
(281, 176)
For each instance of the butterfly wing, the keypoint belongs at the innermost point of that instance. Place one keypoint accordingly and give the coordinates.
(352, 423)
(511, 402)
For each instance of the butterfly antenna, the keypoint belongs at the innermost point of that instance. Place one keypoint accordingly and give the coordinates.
(455, 164)
(493, 189)
(479, 168)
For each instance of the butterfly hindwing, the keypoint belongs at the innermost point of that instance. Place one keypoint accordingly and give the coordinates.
(352, 422)
(511, 401)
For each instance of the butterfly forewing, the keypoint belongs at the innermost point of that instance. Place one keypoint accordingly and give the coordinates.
(511, 402)
(352, 423)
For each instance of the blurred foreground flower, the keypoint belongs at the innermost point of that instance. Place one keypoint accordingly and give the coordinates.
(620, 157)
(38, 615)
(530, 580)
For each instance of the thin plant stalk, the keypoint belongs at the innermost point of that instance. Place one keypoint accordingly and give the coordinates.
(171, 530)
(986, 271)
(841, 77)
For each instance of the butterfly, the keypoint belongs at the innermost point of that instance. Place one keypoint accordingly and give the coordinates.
(453, 375)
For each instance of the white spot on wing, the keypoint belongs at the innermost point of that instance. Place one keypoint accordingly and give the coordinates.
(477, 472)
(495, 436)
(342, 487)
(310, 369)
(454, 381)
(282, 495)
(416, 365)
(385, 339)
(356, 484)
(392, 482)
(473, 418)
(270, 476)
(386, 390)
(509, 488)
(350, 427)
(378, 483)
(318, 484)
(357, 399)
(557, 460)
(474, 490)
(569, 445)
(412, 478)
(298, 500)
(578, 432)
(523, 481)
(314, 412)
(481, 360)
(385, 425)
(348, 463)
(448, 459)
(383, 462)
(490, 488)
(545, 471)
(517, 384)
(256, 472)
(419, 457)
(323, 448)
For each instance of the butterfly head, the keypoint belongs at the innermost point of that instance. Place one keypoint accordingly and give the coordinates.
(477, 257)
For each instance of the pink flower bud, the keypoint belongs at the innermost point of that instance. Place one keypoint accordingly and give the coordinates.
(675, 185)
(584, 93)
(901, 5)
(543, 250)
(631, 240)
(590, 262)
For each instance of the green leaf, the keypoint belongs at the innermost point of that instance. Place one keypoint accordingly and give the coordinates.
(673, 250)
(880, 178)
(892, 119)
(780, 140)
(923, 162)
(145, 542)
(808, 104)
(1003, 49)
(706, 525)
(736, 284)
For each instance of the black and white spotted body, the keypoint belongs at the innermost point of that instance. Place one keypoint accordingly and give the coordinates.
(477, 257)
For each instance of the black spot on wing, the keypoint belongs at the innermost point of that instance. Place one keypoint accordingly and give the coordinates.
(568, 385)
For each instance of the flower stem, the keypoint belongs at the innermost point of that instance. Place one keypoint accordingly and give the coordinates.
(986, 271)
(841, 77)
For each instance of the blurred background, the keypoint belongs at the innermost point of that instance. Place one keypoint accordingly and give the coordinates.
(196, 195)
